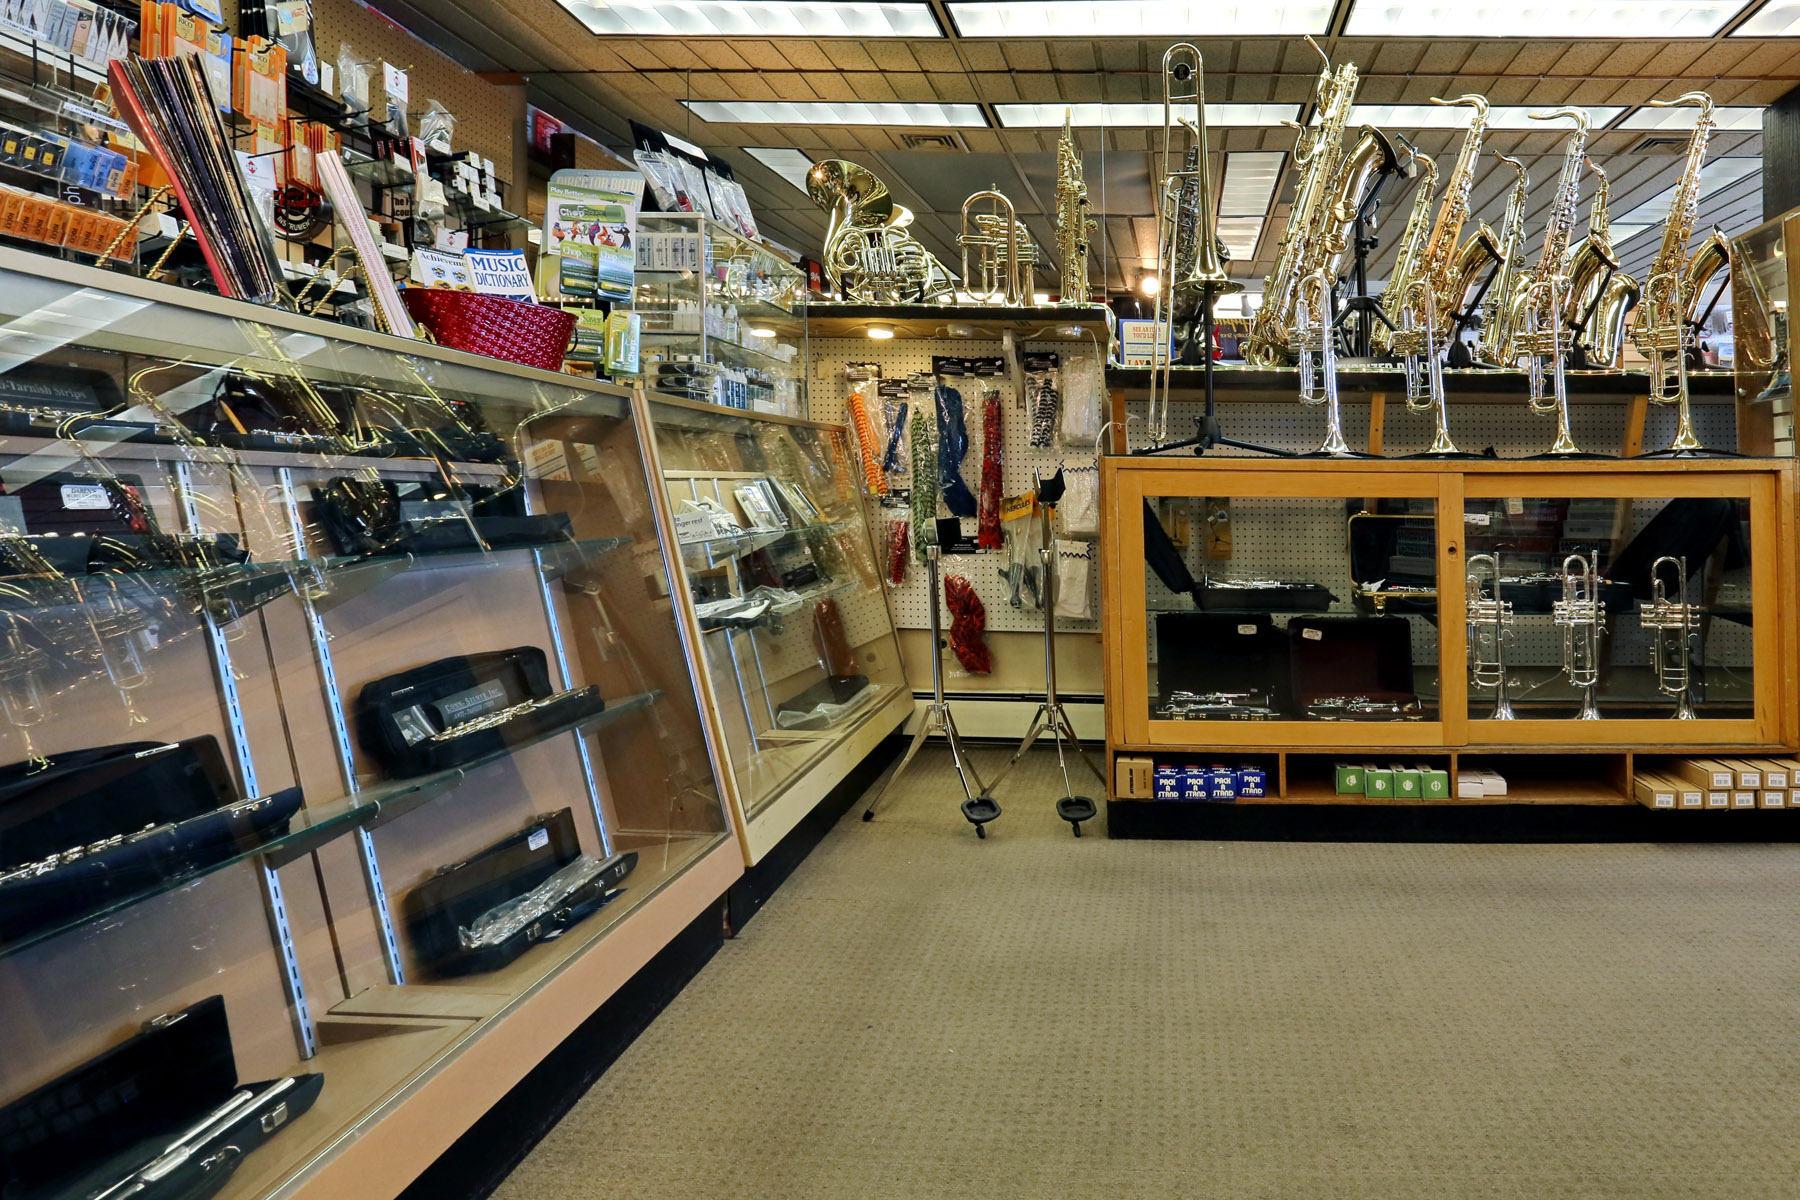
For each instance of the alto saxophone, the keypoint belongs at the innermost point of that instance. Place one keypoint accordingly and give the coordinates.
(1665, 327)
(1318, 153)
(1408, 257)
(1450, 263)
(1073, 224)
(1497, 317)
(1593, 268)
(1543, 338)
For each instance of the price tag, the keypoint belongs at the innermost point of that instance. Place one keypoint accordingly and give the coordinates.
(1313, 635)
(1250, 630)
(538, 840)
(1475, 518)
(1515, 505)
(394, 83)
(84, 496)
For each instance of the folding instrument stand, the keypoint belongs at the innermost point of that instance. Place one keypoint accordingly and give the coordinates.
(978, 807)
(1050, 717)
(1206, 426)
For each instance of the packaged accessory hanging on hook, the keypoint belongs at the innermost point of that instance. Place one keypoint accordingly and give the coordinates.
(895, 410)
(1082, 401)
(988, 528)
(898, 531)
(968, 625)
(863, 406)
(924, 482)
(953, 437)
(1043, 397)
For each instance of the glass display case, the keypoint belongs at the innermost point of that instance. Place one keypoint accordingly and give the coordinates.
(1762, 286)
(1313, 605)
(349, 714)
(782, 572)
(718, 316)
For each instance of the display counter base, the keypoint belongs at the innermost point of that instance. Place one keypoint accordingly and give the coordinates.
(1441, 822)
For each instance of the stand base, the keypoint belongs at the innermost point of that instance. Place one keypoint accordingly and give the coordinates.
(1326, 454)
(978, 807)
(1551, 456)
(1446, 456)
(1700, 452)
(979, 811)
(1075, 810)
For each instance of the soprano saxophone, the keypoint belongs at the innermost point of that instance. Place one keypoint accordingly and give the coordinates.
(1664, 332)
(1073, 224)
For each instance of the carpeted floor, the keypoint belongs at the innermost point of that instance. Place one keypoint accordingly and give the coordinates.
(921, 1014)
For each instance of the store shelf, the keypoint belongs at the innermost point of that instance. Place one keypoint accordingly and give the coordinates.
(750, 355)
(1050, 323)
(1234, 382)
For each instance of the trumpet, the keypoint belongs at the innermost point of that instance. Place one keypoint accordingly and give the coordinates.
(1490, 628)
(24, 694)
(1187, 244)
(1674, 625)
(1313, 334)
(1582, 620)
(1004, 253)
(1545, 339)
(1416, 341)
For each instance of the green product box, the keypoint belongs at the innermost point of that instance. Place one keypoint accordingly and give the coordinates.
(1407, 783)
(1378, 782)
(1435, 783)
(1349, 779)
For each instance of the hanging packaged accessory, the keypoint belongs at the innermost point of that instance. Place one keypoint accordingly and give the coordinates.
(968, 625)
(160, 1116)
(952, 437)
(987, 534)
(924, 483)
(895, 409)
(531, 886)
(861, 406)
(458, 709)
(897, 543)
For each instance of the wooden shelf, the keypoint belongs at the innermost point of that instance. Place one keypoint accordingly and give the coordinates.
(1049, 323)
(1471, 386)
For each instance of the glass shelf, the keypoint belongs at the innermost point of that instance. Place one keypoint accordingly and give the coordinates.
(315, 825)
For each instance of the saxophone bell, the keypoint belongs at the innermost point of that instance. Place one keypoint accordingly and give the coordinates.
(1490, 621)
(1673, 625)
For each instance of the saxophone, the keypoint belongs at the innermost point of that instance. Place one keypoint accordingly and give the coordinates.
(1450, 264)
(1664, 331)
(869, 256)
(1072, 221)
(1537, 302)
(1411, 251)
(1596, 288)
(1498, 326)
(1318, 153)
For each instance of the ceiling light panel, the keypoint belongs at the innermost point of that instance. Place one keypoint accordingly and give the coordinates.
(1249, 184)
(754, 112)
(1537, 19)
(1442, 116)
(791, 165)
(1240, 235)
(1140, 116)
(754, 18)
(1727, 120)
(1778, 18)
(1129, 18)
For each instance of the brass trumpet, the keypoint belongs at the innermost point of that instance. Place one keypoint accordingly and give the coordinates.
(1004, 253)
(1582, 620)
(1313, 334)
(1673, 626)
(1490, 627)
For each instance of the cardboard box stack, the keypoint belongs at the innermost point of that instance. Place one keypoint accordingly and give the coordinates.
(1718, 783)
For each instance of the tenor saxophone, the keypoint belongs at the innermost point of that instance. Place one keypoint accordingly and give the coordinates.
(1450, 263)
(1073, 224)
(1592, 268)
(1410, 255)
(1664, 332)
(1498, 323)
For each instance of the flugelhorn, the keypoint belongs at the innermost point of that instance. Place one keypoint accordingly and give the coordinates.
(1664, 333)
(1490, 627)
(1313, 335)
(1416, 341)
(1544, 339)
(1673, 626)
(1000, 272)
(1187, 247)
(1582, 620)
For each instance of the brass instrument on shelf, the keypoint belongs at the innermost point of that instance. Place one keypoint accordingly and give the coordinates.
(868, 254)
(1000, 272)
(1449, 262)
(1495, 347)
(1490, 627)
(1318, 153)
(1073, 225)
(1599, 294)
(1416, 341)
(1410, 255)
(1370, 159)
(1664, 332)
(1319, 385)
(1673, 626)
(24, 695)
(1543, 339)
(1188, 261)
(1582, 620)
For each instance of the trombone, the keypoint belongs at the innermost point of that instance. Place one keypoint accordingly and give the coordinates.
(1490, 628)
(1674, 625)
(1581, 618)
(1318, 385)
(1187, 247)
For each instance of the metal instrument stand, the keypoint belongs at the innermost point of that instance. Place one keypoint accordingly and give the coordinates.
(979, 807)
(1206, 427)
(1051, 717)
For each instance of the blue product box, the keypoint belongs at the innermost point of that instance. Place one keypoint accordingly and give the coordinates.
(1252, 783)
(1167, 783)
(1193, 783)
(1221, 784)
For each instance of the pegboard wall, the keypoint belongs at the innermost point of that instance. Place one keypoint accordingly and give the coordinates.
(1307, 539)
(828, 393)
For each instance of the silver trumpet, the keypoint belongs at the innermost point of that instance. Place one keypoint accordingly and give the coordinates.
(1313, 335)
(1674, 625)
(1582, 619)
(24, 691)
(1416, 342)
(1490, 628)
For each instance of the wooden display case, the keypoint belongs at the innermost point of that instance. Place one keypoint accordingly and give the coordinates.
(1293, 520)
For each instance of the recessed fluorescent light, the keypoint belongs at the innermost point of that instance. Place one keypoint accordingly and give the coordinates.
(1728, 120)
(1139, 116)
(754, 18)
(1240, 235)
(1249, 183)
(1539, 19)
(791, 165)
(1779, 18)
(686, 147)
(1442, 116)
(1718, 173)
(1121, 19)
(817, 112)
(1624, 233)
